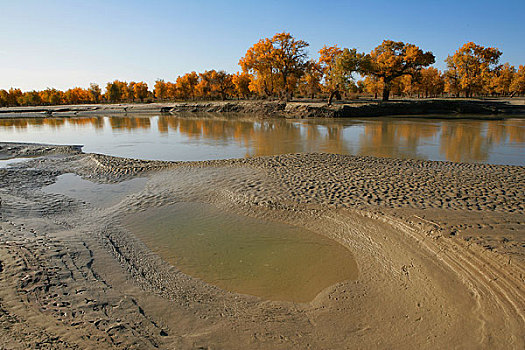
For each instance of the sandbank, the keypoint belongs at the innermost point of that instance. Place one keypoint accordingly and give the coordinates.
(439, 247)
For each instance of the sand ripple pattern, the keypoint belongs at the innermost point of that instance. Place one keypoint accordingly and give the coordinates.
(347, 181)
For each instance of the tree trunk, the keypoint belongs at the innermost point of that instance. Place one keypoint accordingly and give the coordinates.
(386, 91)
(331, 97)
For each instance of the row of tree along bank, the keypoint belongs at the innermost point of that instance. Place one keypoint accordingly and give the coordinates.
(279, 67)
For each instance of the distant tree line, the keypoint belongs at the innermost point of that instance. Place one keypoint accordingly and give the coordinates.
(279, 68)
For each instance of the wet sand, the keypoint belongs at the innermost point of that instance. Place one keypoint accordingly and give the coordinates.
(438, 245)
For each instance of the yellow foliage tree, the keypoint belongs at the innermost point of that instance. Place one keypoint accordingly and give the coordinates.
(310, 82)
(116, 91)
(517, 86)
(129, 91)
(185, 85)
(160, 89)
(222, 83)
(171, 90)
(140, 90)
(327, 61)
(77, 95)
(95, 92)
(276, 64)
(30, 98)
(241, 83)
(3, 98)
(470, 66)
(393, 59)
(258, 63)
(431, 83)
(503, 79)
(337, 66)
(13, 96)
(52, 96)
(373, 85)
(203, 89)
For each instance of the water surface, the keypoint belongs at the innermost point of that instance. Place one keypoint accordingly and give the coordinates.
(5, 163)
(209, 136)
(241, 254)
(97, 194)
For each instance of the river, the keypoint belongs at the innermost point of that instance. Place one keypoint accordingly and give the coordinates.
(214, 136)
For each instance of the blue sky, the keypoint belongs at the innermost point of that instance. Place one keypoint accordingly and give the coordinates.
(62, 44)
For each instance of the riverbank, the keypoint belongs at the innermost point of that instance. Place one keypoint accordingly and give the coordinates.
(439, 248)
(431, 108)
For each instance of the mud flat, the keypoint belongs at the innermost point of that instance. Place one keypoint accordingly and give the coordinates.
(431, 108)
(439, 247)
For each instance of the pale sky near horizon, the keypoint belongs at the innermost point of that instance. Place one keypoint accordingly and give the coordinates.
(62, 44)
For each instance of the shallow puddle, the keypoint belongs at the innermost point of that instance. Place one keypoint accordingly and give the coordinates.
(241, 254)
(4, 163)
(100, 195)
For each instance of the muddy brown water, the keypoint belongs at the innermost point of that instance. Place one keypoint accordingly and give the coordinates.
(213, 136)
(270, 260)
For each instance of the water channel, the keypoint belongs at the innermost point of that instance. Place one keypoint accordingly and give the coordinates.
(208, 136)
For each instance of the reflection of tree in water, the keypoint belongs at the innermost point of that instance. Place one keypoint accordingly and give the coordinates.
(23, 123)
(16, 123)
(326, 137)
(208, 128)
(516, 130)
(129, 123)
(473, 140)
(276, 137)
(96, 122)
(260, 137)
(464, 141)
(513, 130)
(54, 123)
(165, 123)
(390, 138)
(459, 140)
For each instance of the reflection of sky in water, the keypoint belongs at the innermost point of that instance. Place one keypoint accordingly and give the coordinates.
(208, 137)
(99, 195)
(5, 163)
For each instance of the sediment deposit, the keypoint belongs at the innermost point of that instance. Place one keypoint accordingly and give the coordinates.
(431, 108)
(439, 247)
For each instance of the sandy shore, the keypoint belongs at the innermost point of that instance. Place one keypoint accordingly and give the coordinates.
(439, 247)
(431, 108)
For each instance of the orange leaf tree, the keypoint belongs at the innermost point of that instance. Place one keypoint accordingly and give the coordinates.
(337, 66)
(3, 98)
(471, 65)
(140, 90)
(241, 82)
(186, 85)
(310, 82)
(160, 89)
(393, 59)
(95, 92)
(517, 86)
(276, 64)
